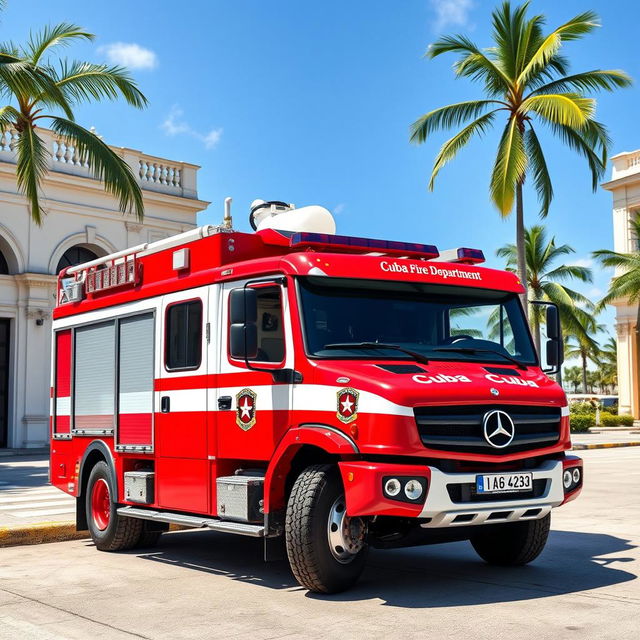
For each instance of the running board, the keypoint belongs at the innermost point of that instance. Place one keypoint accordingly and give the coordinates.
(198, 522)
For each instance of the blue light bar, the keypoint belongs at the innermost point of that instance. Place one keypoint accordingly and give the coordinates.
(470, 256)
(350, 243)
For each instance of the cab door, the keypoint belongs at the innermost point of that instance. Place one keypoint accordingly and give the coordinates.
(257, 406)
(182, 472)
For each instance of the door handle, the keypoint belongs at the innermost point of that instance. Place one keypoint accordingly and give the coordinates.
(224, 403)
(165, 404)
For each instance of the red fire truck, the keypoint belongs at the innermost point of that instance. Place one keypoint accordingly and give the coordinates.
(334, 392)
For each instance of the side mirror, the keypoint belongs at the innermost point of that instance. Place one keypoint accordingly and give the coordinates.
(550, 338)
(553, 323)
(243, 331)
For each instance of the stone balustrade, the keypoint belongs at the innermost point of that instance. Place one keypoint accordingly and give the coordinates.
(153, 173)
(625, 164)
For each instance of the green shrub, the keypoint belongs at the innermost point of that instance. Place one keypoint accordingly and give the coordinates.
(610, 420)
(580, 423)
(625, 419)
(582, 408)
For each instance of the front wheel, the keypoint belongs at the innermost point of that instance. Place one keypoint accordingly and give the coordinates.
(512, 543)
(109, 531)
(326, 548)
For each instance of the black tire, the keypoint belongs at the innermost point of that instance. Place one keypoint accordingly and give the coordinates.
(313, 564)
(119, 533)
(513, 543)
(151, 532)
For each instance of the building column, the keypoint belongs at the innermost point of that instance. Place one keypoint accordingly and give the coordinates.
(33, 353)
(628, 378)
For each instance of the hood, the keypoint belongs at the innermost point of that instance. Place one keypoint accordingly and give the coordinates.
(412, 384)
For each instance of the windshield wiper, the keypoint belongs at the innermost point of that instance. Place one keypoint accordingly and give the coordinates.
(520, 365)
(418, 357)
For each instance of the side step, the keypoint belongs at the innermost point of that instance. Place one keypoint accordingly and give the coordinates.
(198, 522)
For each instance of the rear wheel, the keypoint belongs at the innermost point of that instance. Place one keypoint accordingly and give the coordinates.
(326, 548)
(513, 543)
(109, 531)
(151, 532)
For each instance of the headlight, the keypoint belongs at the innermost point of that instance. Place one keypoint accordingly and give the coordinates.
(392, 487)
(576, 475)
(413, 489)
(567, 478)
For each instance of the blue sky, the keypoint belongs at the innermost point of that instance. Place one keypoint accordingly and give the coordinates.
(311, 103)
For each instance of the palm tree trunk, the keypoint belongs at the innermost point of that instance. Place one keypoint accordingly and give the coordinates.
(520, 246)
(584, 374)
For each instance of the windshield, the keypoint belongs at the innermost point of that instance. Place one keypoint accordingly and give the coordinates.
(437, 321)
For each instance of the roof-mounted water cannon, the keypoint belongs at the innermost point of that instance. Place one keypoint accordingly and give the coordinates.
(282, 216)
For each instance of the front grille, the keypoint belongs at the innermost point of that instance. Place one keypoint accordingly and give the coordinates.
(459, 428)
(461, 493)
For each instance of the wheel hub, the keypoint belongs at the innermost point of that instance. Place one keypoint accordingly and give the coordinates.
(346, 535)
(101, 504)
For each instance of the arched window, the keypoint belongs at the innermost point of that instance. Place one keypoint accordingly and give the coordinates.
(75, 255)
(4, 267)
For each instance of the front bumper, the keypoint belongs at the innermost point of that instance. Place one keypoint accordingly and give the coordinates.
(445, 504)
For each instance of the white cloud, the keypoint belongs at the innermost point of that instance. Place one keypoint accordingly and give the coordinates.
(595, 293)
(451, 13)
(130, 55)
(175, 125)
(339, 208)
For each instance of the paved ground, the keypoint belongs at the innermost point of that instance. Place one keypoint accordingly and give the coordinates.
(208, 585)
(608, 435)
(26, 496)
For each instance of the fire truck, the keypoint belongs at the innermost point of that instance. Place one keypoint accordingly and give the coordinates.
(328, 394)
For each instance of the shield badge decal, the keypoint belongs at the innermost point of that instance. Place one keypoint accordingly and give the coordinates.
(246, 409)
(347, 405)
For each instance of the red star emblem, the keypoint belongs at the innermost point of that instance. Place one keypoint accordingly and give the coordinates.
(347, 405)
(246, 409)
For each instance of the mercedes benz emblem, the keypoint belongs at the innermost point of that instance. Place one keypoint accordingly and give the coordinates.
(498, 428)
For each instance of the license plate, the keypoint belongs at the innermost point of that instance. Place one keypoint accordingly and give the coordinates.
(504, 482)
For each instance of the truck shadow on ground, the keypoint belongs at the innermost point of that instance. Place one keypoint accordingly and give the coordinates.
(419, 577)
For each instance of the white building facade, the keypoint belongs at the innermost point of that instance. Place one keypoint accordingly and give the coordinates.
(82, 222)
(625, 188)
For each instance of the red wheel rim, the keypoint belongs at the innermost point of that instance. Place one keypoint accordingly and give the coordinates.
(101, 504)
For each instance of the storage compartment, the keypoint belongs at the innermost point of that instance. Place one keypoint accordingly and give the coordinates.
(240, 498)
(138, 486)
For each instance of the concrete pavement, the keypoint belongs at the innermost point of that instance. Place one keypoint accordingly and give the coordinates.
(210, 585)
(27, 497)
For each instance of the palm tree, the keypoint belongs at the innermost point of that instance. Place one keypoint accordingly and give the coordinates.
(625, 286)
(37, 90)
(545, 278)
(585, 348)
(524, 76)
(573, 376)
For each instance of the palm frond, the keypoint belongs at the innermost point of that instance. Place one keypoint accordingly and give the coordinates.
(541, 177)
(9, 116)
(570, 272)
(575, 28)
(85, 81)
(105, 164)
(451, 147)
(474, 64)
(566, 109)
(595, 80)
(446, 117)
(52, 36)
(31, 166)
(577, 141)
(509, 168)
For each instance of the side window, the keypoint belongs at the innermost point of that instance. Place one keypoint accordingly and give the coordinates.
(183, 335)
(270, 329)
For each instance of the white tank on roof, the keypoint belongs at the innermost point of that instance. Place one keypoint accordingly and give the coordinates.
(285, 217)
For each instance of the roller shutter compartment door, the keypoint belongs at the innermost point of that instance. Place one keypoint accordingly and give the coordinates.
(135, 392)
(94, 380)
